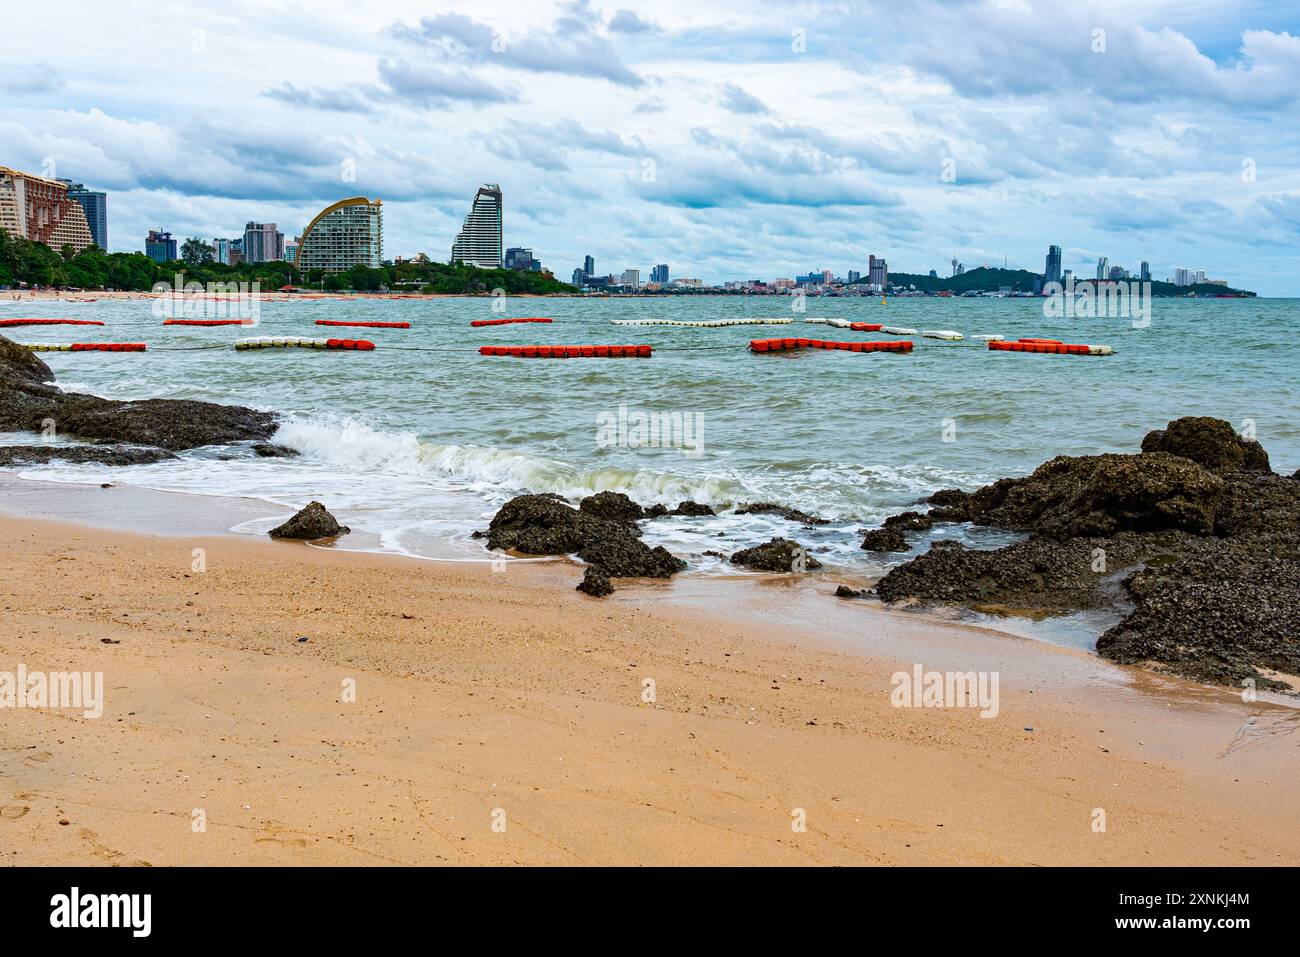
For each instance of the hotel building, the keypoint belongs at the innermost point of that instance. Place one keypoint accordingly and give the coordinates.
(36, 208)
(479, 241)
(345, 234)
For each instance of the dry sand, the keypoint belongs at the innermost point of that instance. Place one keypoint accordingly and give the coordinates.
(487, 697)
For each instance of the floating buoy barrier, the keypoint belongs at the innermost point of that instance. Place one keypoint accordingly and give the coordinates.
(50, 322)
(782, 345)
(505, 322)
(1051, 342)
(947, 334)
(988, 338)
(567, 352)
(898, 330)
(1052, 348)
(701, 324)
(85, 346)
(368, 325)
(285, 342)
(207, 322)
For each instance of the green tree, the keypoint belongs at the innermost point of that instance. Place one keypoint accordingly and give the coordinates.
(195, 252)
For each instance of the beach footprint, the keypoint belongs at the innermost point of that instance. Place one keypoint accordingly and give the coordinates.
(12, 812)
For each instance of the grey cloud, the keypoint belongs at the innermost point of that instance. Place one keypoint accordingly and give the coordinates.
(32, 78)
(737, 100)
(627, 21)
(572, 46)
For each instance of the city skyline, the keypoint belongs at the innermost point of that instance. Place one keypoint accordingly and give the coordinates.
(806, 136)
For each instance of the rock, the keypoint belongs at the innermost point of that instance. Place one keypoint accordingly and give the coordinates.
(543, 525)
(311, 523)
(777, 555)
(793, 514)
(884, 540)
(269, 450)
(629, 557)
(1219, 624)
(692, 509)
(1099, 495)
(1211, 443)
(538, 525)
(614, 506)
(657, 510)
(909, 522)
(1204, 538)
(595, 582)
(98, 454)
(1038, 574)
(844, 591)
(29, 399)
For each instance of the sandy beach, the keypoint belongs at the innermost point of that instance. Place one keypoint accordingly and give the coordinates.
(502, 718)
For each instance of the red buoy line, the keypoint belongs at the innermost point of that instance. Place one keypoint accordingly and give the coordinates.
(505, 322)
(781, 345)
(567, 352)
(50, 322)
(85, 346)
(1051, 348)
(866, 326)
(368, 325)
(207, 322)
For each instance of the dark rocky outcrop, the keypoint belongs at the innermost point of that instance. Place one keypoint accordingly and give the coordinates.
(777, 555)
(1193, 540)
(884, 540)
(106, 454)
(541, 525)
(1210, 443)
(595, 582)
(614, 506)
(792, 514)
(309, 524)
(270, 450)
(29, 400)
(686, 509)
(909, 522)
(844, 591)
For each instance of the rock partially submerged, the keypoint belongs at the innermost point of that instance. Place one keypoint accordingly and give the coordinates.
(309, 524)
(29, 402)
(614, 506)
(686, 509)
(541, 525)
(97, 454)
(1193, 539)
(777, 555)
(784, 511)
(884, 540)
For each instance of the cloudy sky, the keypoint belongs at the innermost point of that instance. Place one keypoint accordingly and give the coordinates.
(728, 140)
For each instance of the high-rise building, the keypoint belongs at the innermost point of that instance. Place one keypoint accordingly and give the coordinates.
(1146, 271)
(263, 242)
(344, 234)
(854, 276)
(1053, 271)
(632, 277)
(659, 273)
(521, 259)
(589, 266)
(1183, 277)
(479, 241)
(1103, 266)
(934, 274)
(877, 272)
(291, 250)
(579, 277)
(1117, 272)
(95, 205)
(39, 209)
(221, 250)
(159, 246)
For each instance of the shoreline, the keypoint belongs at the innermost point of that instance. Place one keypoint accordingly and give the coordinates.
(479, 690)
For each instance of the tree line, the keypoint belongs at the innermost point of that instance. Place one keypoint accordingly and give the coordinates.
(24, 262)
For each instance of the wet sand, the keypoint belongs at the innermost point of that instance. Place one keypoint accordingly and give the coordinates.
(500, 717)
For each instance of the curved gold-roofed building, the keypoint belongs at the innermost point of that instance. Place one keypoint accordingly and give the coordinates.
(345, 234)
